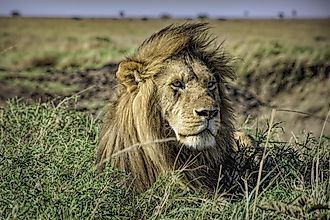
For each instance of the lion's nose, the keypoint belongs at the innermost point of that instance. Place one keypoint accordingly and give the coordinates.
(206, 113)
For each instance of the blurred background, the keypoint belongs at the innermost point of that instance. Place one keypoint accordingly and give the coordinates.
(169, 8)
(51, 50)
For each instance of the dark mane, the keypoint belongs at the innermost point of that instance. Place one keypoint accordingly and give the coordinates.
(191, 38)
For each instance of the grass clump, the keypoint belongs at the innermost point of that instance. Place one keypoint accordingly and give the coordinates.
(47, 166)
(47, 172)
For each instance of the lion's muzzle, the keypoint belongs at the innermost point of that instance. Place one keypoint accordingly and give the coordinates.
(200, 135)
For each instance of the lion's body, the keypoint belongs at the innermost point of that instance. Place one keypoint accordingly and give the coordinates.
(173, 86)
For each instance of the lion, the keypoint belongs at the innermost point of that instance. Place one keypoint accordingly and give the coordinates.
(171, 111)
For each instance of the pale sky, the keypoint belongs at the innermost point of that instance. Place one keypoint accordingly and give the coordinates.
(178, 8)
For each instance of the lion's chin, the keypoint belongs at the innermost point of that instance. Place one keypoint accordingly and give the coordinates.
(201, 141)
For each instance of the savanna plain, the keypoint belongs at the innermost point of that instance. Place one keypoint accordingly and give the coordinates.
(57, 74)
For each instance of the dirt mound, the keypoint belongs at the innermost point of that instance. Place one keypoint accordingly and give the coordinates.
(272, 83)
(300, 93)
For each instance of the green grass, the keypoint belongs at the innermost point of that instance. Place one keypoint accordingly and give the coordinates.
(47, 172)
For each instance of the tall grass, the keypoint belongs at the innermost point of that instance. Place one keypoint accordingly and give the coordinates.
(48, 172)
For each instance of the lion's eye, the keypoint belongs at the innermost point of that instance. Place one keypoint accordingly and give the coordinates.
(177, 85)
(211, 85)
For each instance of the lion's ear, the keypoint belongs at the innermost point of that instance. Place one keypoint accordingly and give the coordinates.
(128, 74)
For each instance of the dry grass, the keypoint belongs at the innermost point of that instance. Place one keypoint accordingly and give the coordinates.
(72, 42)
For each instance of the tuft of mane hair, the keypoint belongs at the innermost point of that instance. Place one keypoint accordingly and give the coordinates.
(133, 117)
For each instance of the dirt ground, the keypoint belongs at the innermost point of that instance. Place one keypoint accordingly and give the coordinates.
(254, 95)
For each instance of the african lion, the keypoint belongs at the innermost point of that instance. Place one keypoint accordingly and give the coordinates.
(173, 86)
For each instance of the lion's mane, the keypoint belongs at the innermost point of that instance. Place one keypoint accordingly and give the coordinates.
(134, 115)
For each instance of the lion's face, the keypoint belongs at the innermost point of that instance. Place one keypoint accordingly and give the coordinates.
(190, 102)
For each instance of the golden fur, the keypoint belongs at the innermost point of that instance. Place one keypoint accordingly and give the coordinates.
(172, 107)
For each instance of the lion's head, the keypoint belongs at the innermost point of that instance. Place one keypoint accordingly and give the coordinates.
(173, 86)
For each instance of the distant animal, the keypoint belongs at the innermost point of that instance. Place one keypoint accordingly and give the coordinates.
(171, 111)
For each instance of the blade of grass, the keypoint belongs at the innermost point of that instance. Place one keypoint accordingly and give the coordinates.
(262, 162)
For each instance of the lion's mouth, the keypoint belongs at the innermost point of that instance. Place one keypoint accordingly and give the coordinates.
(196, 134)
